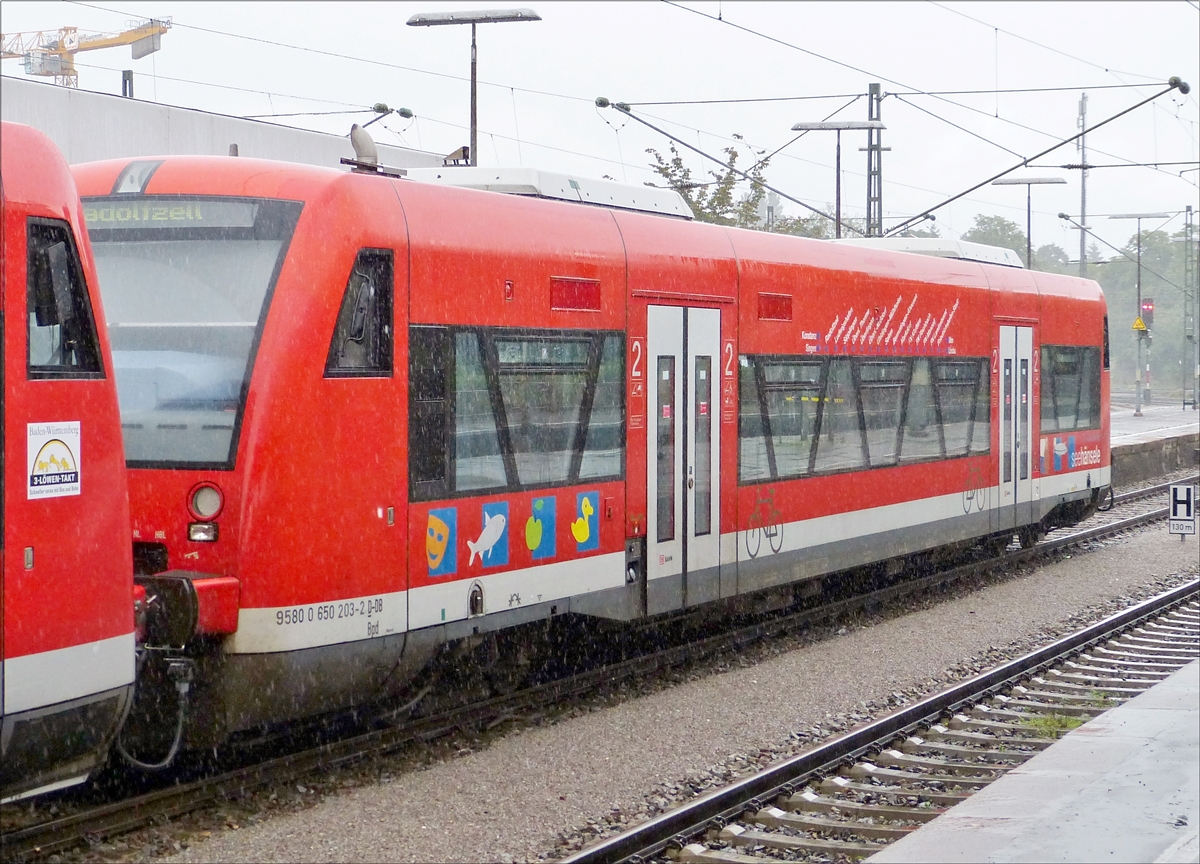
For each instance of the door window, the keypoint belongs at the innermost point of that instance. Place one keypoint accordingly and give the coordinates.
(703, 444)
(666, 448)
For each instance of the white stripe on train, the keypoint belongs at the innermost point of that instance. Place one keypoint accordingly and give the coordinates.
(49, 677)
(311, 625)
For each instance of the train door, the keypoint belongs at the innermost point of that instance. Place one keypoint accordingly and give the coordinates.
(683, 488)
(1015, 358)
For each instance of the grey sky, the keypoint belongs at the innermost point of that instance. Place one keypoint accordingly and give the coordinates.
(539, 80)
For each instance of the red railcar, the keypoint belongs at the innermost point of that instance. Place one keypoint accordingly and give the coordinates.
(366, 417)
(66, 591)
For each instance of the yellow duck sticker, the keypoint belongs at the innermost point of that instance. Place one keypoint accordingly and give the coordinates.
(580, 528)
(584, 529)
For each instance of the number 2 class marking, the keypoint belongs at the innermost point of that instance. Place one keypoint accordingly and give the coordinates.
(635, 367)
(729, 359)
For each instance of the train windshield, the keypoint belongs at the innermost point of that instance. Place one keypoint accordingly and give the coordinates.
(185, 283)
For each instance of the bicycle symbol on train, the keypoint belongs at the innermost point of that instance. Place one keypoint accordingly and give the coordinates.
(765, 521)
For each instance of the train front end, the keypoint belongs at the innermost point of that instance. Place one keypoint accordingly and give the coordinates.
(67, 638)
(246, 305)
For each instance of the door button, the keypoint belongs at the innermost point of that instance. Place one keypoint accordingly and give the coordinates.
(691, 482)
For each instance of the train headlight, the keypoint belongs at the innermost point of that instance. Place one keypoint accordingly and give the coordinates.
(205, 501)
(202, 532)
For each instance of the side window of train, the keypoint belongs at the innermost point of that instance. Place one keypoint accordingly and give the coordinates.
(801, 415)
(1106, 357)
(493, 409)
(1070, 388)
(362, 338)
(62, 330)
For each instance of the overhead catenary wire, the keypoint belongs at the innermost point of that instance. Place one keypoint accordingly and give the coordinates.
(911, 92)
(1038, 44)
(956, 126)
(334, 54)
(1174, 84)
(624, 109)
(916, 91)
(986, 92)
(268, 93)
(1143, 265)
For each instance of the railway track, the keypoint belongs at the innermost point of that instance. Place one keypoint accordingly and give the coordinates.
(854, 795)
(34, 841)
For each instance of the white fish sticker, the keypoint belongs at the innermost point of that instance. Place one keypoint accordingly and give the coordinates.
(493, 530)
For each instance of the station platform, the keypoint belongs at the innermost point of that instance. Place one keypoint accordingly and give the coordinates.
(1123, 787)
(1157, 421)
(1164, 439)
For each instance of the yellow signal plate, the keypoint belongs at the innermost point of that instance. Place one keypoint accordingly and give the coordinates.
(1139, 324)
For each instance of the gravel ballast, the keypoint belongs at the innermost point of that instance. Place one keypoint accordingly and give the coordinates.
(544, 790)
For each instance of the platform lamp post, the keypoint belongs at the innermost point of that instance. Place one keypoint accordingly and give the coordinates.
(1141, 334)
(838, 126)
(488, 16)
(1028, 183)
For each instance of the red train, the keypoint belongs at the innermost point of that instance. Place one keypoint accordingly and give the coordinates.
(66, 590)
(366, 418)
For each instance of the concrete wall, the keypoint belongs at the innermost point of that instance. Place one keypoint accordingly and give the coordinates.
(1150, 460)
(89, 126)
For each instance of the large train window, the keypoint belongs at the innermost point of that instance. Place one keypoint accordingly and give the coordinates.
(1070, 388)
(62, 331)
(500, 409)
(840, 444)
(957, 382)
(804, 415)
(187, 283)
(882, 385)
(362, 337)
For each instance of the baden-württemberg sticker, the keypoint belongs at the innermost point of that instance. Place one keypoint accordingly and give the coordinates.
(53, 459)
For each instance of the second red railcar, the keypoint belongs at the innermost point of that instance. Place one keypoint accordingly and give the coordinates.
(367, 417)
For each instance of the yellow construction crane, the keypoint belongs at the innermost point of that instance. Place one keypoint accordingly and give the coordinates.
(52, 52)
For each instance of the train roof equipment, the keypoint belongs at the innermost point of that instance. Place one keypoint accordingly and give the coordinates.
(941, 247)
(537, 183)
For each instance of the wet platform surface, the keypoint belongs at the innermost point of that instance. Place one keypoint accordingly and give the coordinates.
(1157, 422)
(1123, 787)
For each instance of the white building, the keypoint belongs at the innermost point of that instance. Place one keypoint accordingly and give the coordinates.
(89, 126)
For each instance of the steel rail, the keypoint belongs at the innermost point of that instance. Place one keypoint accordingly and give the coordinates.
(729, 802)
(46, 838)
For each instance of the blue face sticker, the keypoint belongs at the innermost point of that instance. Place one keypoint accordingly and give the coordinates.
(491, 547)
(441, 539)
(541, 529)
(586, 526)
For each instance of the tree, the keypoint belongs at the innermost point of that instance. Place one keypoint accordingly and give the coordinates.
(717, 201)
(1053, 259)
(817, 227)
(997, 231)
(1162, 280)
(931, 231)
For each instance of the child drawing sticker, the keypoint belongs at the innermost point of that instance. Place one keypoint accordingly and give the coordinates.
(586, 528)
(441, 534)
(492, 544)
(541, 528)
